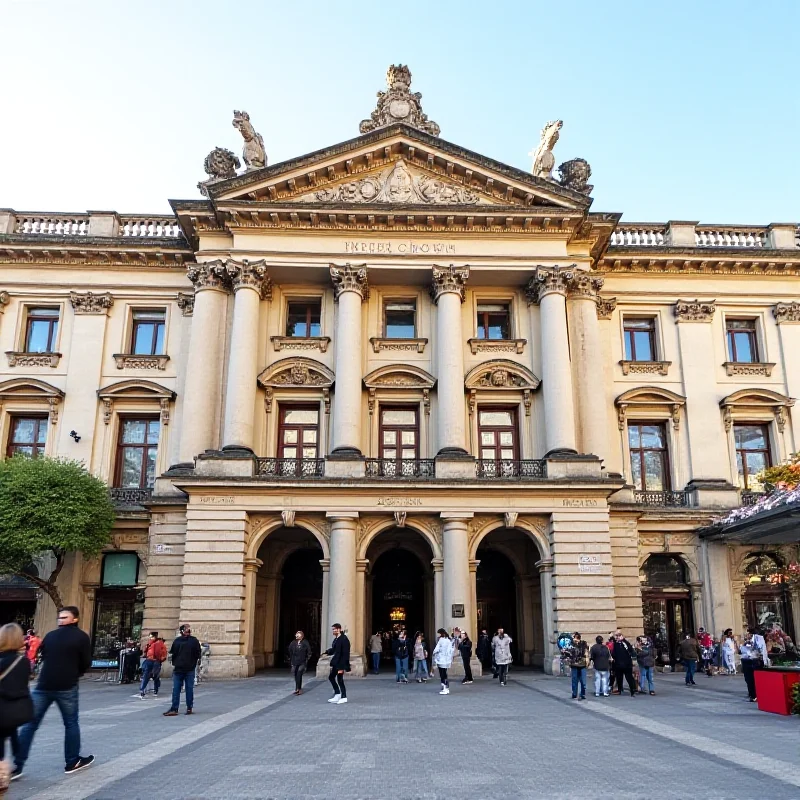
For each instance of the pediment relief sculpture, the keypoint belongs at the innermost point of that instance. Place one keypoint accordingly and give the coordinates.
(399, 375)
(296, 373)
(501, 374)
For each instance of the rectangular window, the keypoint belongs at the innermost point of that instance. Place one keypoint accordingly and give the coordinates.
(298, 432)
(399, 434)
(120, 569)
(498, 434)
(649, 457)
(41, 330)
(147, 336)
(494, 321)
(136, 452)
(400, 319)
(742, 340)
(640, 339)
(752, 453)
(27, 436)
(303, 319)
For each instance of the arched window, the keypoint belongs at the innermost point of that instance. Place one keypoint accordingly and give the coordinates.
(662, 570)
(759, 566)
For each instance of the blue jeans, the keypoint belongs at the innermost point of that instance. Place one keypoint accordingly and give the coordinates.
(601, 677)
(578, 674)
(691, 668)
(180, 679)
(376, 662)
(151, 669)
(401, 667)
(420, 669)
(645, 673)
(67, 702)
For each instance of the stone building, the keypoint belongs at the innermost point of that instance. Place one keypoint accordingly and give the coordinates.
(396, 382)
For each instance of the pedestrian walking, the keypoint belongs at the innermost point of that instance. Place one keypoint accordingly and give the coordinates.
(155, 654)
(66, 654)
(600, 656)
(483, 650)
(375, 649)
(339, 651)
(465, 648)
(689, 653)
(501, 645)
(706, 647)
(443, 658)
(623, 654)
(754, 656)
(400, 652)
(16, 706)
(32, 642)
(185, 654)
(578, 662)
(420, 659)
(299, 654)
(646, 658)
(728, 652)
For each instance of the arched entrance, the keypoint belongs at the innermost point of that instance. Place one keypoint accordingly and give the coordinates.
(767, 600)
(509, 592)
(288, 595)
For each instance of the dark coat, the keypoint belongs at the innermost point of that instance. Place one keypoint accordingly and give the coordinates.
(185, 652)
(400, 648)
(688, 649)
(484, 648)
(299, 652)
(600, 656)
(622, 654)
(645, 656)
(465, 648)
(16, 706)
(66, 654)
(339, 651)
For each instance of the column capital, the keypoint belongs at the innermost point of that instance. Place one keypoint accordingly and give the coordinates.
(783, 312)
(252, 564)
(545, 565)
(695, 310)
(473, 564)
(584, 286)
(91, 303)
(463, 516)
(362, 564)
(247, 274)
(348, 278)
(549, 280)
(325, 563)
(340, 516)
(449, 279)
(605, 307)
(437, 564)
(209, 275)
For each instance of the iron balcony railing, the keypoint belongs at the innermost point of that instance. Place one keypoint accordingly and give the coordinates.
(129, 497)
(663, 499)
(506, 468)
(290, 467)
(400, 468)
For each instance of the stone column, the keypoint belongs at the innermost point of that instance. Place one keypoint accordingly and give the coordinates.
(696, 589)
(448, 294)
(587, 357)
(251, 285)
(324, 633)
(359, 638)
(350, 289)
(548, 288)
(438, 594)
(251, 567)
(455, 573)
(273, 597)
(201, 396)
(551, 658)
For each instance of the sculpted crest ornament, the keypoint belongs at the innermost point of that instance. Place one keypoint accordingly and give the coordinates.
(399, 104)
(253, 153)
(219, 165)
(574, 174)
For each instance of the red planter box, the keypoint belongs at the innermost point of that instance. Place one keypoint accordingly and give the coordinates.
(774, 688)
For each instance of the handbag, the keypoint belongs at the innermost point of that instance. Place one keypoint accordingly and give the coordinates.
(15, 711)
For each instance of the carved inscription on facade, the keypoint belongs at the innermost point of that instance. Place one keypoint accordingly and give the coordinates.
(399, 501)
(579, 502)
(223, 499)
(400, 248)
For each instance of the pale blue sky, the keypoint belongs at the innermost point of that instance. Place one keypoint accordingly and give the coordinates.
(685, 110)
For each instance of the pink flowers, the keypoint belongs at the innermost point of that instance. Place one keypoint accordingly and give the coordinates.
(780, 497)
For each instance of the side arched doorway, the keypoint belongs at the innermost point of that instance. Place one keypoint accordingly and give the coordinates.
(767, 599)
(288, 595)
(509, 593)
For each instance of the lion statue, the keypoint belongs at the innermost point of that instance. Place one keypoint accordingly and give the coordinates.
(574, 174)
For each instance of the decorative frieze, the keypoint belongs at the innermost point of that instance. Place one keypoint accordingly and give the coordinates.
(186, 303)
(350, 279)
(645, 367)
(547, 280)
(91, 303)
(380, 344)
(695, 310)
(748, 368)
(449, 279)
(17, 359)
(140, 361)
(497, 345)
(300, 343)
(605, 307)
(209, 275)
(250, 274)
(786, 312)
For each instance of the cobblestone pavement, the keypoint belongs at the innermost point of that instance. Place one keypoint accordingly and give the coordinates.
(253, 739)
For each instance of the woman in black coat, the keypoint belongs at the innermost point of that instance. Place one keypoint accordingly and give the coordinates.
(16, 706)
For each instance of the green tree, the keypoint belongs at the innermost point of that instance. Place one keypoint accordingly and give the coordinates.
(50, 504)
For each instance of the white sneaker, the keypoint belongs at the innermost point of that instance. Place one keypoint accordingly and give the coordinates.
(335, 699)
(341, 700)
(445, 691)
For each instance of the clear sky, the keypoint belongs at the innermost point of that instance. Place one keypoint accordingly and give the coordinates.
(685, 110)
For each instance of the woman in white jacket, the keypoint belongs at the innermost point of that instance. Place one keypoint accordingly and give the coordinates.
(443, 658)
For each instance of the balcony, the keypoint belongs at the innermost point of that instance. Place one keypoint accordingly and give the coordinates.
(661, 499)
(123, 498)
(405, 468)
(290, 468)
(503, 469)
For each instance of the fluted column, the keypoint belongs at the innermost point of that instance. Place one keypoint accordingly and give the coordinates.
(588, 359)
(448, 294)
(455, 572)
(201, 394)
(251, 285)
(351, 289)
(548, 288)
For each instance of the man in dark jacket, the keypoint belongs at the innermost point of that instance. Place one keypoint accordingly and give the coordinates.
(623, 662)
(400, 652)
(66, 655)
(339, 651)
(600, 656)
(185, 654)
(484, 649)
(689, 653)
(299, 653)
(646, 658)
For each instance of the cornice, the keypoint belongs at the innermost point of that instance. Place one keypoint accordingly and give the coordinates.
(699, 261)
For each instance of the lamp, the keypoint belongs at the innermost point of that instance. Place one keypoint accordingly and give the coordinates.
(75, 436)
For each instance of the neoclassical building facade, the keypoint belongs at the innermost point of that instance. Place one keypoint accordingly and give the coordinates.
(397, 383)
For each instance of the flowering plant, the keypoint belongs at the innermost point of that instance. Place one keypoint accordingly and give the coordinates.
(783, 476)
(778, 497)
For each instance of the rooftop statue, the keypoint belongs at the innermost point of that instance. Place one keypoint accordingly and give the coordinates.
(399, 104)
(543, 159)
(219, 164)
(253, 153)
(574, 174)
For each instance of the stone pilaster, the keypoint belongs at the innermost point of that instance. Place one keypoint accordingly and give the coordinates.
(437, 564)
(551, 660)
(624, 538)
(251, 567)
(455, 574)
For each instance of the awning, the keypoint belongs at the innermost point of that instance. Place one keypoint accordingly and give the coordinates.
(780, 525)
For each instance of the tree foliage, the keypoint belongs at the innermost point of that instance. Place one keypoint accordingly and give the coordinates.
(50, 504)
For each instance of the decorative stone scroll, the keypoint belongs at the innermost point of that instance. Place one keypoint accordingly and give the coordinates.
(547, 280)
(400, 518)
(399, 104)
(501, 375)
(350, 279)
(209, 275)
(510, 519)
(656, 401)
(785, 312)
(449, 279)
(605, 307)
(252, 274)
(186, 303)
(296, 373)
(695, 310)
(497, 345)
(91, 303)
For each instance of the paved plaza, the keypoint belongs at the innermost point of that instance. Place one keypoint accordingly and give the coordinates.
(253, 739)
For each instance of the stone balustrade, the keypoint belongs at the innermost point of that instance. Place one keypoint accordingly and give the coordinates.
(692, 234)
(730, 236)
(51, 224)
(644, 234)
(153, 226)
(91, 223)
